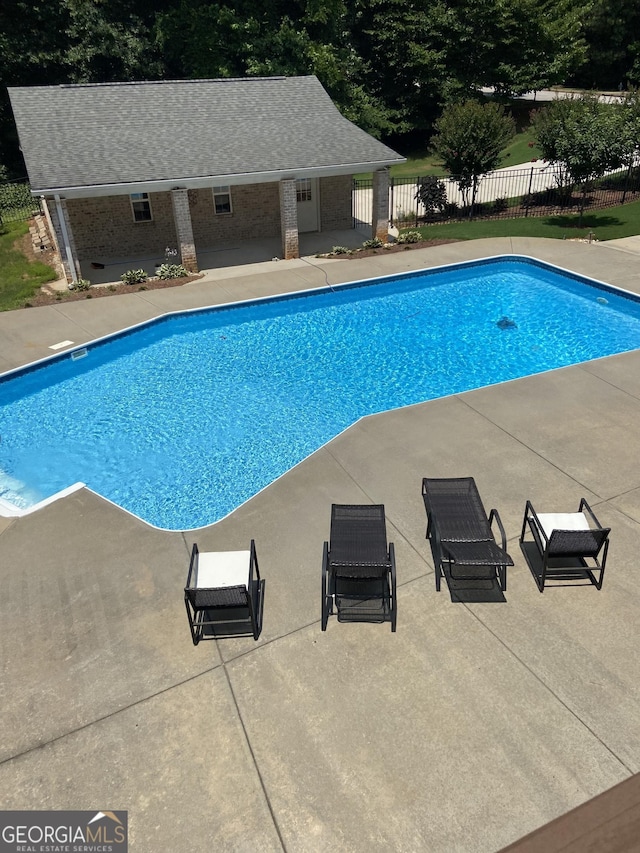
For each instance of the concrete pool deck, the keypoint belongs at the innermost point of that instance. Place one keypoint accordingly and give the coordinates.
(478, 721)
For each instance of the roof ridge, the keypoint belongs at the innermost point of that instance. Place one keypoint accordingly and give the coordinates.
(185, 81)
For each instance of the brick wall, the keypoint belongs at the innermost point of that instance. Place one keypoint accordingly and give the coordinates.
(335, 203)
(104, 228)
(255, 213)
(380, 226)
(184, 229)
(288, 217)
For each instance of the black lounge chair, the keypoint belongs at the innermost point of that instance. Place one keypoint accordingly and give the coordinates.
(572, 545)
(224, 594)
(461, 534)
(358, 569)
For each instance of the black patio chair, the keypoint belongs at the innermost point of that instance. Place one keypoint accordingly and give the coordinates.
(461, 534)
(358, 569)
(224, 594)
(571, 545)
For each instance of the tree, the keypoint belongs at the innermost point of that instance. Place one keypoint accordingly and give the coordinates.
(534, 45)
(469, 138)
(585, 137)
(613, 47)
(432, 195)
(404, 59)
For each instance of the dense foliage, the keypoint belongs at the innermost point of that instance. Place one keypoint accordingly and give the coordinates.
(469, 137)
(390, 65)
(586, 137)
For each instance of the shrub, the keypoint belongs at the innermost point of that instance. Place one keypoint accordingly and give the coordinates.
(16, 201)
(339, 250)
(410, 237)
(134, 276)
(166, 271)
(500, 205)
(374, 243)
(80, 284)
(432, 194)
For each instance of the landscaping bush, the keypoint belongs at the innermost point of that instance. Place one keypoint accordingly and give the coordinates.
(134, 276)
(80, 284)
(432, 194)
(340, 250)
(410, 237)
(166, 271)
(374, 243)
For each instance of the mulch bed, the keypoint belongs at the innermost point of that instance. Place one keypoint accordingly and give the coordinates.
(55, 297)
(48, 296)
(390, 249)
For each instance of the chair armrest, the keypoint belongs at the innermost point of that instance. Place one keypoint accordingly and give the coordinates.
(529, 514)
(584, 507)
(193, 562)
(494, 516)
(253, 561)
(424, 495)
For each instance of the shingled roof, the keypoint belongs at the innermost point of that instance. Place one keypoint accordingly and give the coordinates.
(115, 137)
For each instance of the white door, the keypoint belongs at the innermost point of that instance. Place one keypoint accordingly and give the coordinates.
(307, 199)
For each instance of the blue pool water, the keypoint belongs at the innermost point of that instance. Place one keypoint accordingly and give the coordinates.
(182, 420)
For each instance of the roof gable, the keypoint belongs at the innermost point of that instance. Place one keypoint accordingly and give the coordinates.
(99, 135)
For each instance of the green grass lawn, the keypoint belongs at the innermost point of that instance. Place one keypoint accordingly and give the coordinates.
(421, 162)
(610, 224)
(19, 277)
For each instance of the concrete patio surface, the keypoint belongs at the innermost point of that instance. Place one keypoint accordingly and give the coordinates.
(485, 716)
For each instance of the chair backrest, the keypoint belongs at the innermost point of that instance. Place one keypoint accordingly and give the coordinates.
(458, 509)
(577, 543)
(358, 538)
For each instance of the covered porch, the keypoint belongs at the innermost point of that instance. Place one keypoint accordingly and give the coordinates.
(239, 253)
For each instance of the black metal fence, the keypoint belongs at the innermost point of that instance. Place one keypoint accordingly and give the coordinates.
(16, 202)
(537, 190)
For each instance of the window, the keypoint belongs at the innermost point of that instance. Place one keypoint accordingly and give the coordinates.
(303, 189)
(141, 207)
(222, 199)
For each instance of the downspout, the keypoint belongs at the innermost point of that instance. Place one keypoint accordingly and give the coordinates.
(65, 237)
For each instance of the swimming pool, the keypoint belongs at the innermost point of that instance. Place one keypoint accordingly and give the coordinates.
(182, 419)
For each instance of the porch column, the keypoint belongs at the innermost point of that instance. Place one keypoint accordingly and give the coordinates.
(184, 229)
(58, 217)
(380, 205)
(289, 219)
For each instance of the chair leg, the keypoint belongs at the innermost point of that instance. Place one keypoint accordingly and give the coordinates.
(325, 603)
(394, 600)
(254, 604)
(543, 575)
(194, 634)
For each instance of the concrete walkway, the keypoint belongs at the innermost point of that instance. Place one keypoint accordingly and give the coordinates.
(482, 718)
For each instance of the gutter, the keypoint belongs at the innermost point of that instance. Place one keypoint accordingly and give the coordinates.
(204, 181)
